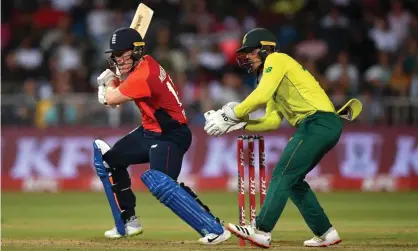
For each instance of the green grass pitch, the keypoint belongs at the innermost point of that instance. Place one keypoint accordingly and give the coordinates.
(76, 221)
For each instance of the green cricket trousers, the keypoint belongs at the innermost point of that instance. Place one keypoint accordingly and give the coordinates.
(314, 137)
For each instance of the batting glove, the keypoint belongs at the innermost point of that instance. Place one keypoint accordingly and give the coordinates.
(101, 95)
(105, 77)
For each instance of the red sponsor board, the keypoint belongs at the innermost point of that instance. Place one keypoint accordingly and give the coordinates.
(366, 158)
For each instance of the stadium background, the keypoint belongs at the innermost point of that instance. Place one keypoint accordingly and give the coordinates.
(52, 52)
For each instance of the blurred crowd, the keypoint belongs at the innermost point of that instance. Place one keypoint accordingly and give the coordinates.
(53, 51)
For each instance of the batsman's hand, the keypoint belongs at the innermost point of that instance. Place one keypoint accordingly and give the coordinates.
(101, 96)
(106, 77)
(218, 123)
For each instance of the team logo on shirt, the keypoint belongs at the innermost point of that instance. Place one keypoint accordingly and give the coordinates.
(268, 69)
(163, 74)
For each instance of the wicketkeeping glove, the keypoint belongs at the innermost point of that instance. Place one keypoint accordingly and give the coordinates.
(217, 123)
(228, 109)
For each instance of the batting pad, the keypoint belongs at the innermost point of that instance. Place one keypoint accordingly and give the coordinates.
(169, 192)
(100, 147)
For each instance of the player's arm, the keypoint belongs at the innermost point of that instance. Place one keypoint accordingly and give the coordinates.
(114, 96)
(273, 72)
(269, 122)
(134, 87)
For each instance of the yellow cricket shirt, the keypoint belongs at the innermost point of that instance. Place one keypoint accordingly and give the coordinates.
(288, 90)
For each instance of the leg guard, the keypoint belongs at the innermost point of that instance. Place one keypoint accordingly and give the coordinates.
(194, 195)
(100, 147)
(171, 194)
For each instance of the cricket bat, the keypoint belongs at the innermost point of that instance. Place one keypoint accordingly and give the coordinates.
(140, 23)
(142, 19)
(350, 110)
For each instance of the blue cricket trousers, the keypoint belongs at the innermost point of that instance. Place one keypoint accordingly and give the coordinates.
(164, 152)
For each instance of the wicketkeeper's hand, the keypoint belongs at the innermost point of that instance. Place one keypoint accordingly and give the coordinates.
(106, 77)
(228, 109)
(218, 123)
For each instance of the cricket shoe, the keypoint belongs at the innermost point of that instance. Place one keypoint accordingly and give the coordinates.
(132, 227)
(330, 238)
(250, 233)
(213, 239)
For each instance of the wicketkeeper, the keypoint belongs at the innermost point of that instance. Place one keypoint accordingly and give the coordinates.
(162, 140)
(289, 91)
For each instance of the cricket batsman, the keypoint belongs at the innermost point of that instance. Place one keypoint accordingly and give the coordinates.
(289, 91)
(162, 140)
